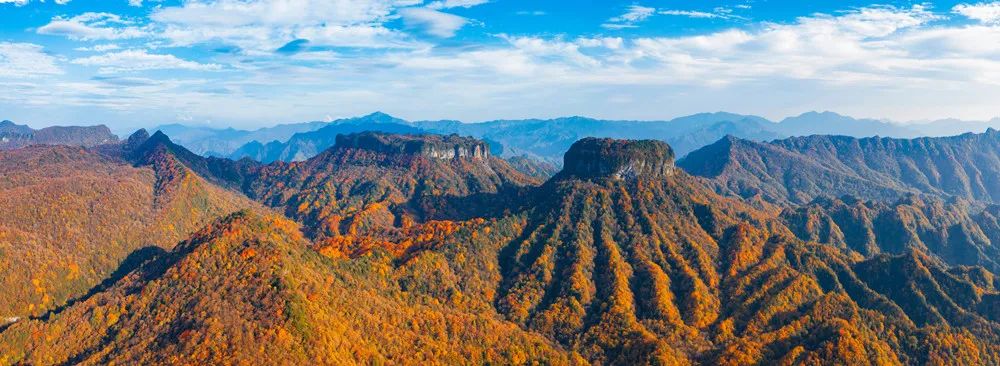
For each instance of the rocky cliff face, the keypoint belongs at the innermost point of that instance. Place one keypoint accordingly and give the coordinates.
(594, 158)
(13, 136)
(431, 146)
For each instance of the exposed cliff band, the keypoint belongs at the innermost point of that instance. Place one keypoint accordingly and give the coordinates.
(592, 158)
(432, 146)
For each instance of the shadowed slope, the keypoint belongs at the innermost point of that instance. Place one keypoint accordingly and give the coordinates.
(374, 184)
(653, 267)
(946, 230)
(247, 289)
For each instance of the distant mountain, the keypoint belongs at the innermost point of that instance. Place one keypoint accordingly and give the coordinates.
(209, 141)
(13, 136)
(829, 123)
(302, 146)
(951, 127)
(533, 167)
(544, 140)
(799, 169)
(548, 139)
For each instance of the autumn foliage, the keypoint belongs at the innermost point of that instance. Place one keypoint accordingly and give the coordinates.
(388, 255)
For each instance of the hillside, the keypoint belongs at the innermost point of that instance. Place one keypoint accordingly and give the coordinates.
(951, 231)
(72, 214)
(628, 261)
(798, 169)
(13, 136)
(376, 184)
(246, 290)
(427, 248)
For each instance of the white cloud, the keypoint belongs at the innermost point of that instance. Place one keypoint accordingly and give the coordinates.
(139, 60)
(638, 13)
(25, 2)
(635, 13)
(690, 14)
(264, 25)
(25, 60)
(632, 15)
(532, 12)
(433, 22)
(987, 13)
(99, 48)
(93, 26)
(876, 61)
(445, 4)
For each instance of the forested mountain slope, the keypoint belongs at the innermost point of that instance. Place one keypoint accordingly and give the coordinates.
(72, 214)
(798, 169)
(626, 259)
(418, 248)
(247, 290)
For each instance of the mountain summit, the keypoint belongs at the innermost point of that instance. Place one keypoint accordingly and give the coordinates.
(432, 146)
(618, 159)
(14, 136)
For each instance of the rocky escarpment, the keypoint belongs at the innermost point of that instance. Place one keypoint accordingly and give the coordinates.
(594, 158)
(14, 136)
(431, 146)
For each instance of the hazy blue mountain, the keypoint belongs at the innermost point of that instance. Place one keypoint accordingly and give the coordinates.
(304, 145)
(548, 139)
(952, 126)
(204, 140)
(830, 123)
(540, 139)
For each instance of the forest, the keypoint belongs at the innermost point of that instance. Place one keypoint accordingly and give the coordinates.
(416, 249)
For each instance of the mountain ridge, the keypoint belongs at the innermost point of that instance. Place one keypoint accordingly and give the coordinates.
(416, 247)
(14, 136)
(798, 169)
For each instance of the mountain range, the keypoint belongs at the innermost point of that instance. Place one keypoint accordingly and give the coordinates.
(799, 169)
(428, 248)
(547, 139)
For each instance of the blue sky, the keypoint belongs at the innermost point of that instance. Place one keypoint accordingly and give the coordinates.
(252, 63)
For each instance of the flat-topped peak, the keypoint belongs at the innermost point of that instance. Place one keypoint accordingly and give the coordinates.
(618, 159)
(433, 146)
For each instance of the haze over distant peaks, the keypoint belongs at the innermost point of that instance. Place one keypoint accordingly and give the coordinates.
(548, 139)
